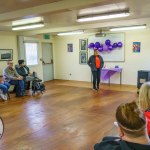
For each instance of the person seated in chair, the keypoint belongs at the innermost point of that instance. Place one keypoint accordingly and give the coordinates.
(12, 77)
(24, 71)
(144, 102)
(4, 86)
(132, 130)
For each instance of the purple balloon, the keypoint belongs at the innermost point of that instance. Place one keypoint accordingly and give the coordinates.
(107, 42)
(91, 45)
(120, 44)
(105, 48)
(100, 49)
(110, 47)
(115, 45)
(97, 44)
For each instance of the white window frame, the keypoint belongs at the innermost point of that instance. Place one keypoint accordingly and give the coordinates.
(26, 53)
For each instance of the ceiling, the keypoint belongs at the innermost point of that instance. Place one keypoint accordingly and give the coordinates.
(61, 15)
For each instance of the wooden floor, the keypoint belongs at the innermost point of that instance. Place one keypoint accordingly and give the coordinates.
(68, 116)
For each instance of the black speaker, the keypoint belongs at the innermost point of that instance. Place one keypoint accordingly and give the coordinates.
(143, 76)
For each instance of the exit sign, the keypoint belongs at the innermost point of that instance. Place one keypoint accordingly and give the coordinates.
(46, 36)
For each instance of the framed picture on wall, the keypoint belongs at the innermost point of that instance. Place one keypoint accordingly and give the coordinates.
(83, 58)
(83, 44)
(6, 54)
(136, 47)
(70, 47)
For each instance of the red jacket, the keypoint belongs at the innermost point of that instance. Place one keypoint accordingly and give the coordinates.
(147, 115)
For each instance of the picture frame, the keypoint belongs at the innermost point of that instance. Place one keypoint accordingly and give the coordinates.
(83, 45)
(136, 48)
(6, 54)
(70, 47)
(83, 58)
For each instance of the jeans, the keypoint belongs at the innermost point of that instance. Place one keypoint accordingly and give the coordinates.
(4, 87)
(7, 84)
(19, 85)
(96, 78)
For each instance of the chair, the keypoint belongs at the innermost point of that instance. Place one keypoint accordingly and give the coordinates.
(143, 76)
(8, 95)
(10, 90)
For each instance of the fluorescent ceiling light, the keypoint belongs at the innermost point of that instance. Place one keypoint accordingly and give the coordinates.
(103, 16)
(28, 26)
(27, 21)
(70, 33)
(128, 28)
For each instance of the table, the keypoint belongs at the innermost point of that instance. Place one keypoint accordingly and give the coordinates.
(106, 73)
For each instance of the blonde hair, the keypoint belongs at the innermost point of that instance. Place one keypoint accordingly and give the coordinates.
(130, 119)
(144, 97)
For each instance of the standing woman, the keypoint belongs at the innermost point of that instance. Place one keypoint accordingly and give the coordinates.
(96, 63)
(144, 102)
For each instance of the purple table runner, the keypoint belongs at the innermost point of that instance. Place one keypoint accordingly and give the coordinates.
(106, 73)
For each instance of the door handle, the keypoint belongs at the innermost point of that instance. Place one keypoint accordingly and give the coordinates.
(41, 59)
(43, 62)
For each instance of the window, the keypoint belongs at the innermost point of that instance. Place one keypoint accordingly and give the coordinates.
(31, 51)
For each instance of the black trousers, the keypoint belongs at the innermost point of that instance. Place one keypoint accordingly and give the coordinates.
(96, 78)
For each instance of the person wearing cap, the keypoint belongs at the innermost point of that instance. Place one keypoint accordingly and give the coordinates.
(132, 130)
(12, 77)
(96, 63)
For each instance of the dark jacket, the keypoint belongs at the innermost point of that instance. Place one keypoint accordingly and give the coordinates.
(21, 71)
(115, 143)
(91, 62)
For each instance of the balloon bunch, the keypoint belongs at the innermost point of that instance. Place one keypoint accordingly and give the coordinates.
(107, 47)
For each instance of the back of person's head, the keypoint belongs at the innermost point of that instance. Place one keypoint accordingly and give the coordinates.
(20, 62)
(144, 96)
(131, 120)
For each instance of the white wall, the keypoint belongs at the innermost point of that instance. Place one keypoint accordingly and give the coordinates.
(39, 38)
(8, 41)
(66, 63)
(39, 68)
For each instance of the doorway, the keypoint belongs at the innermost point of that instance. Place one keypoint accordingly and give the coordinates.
(47, 61)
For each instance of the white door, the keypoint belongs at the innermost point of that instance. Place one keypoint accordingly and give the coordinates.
(47, 61)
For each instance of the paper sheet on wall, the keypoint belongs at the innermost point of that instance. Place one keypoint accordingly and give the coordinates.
(114, 55)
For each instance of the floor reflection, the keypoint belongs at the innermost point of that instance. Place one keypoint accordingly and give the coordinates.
(35, 115)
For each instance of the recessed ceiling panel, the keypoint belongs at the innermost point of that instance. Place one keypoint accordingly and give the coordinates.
(12, 5)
